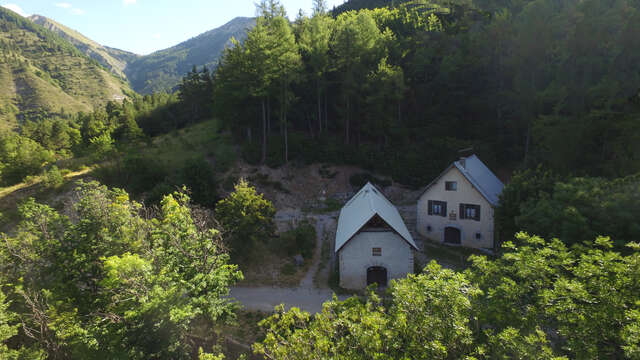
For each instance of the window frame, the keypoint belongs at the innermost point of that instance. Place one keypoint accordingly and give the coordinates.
(450, 186)
(465, 207)
(376, 251)
(442, 207)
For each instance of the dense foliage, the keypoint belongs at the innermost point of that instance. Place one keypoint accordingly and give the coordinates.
(108, 281)
(540, 300)
(574, 209)
(92, 137)
(405, 87)
(246, 217)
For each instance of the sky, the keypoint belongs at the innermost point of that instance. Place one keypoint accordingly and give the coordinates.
(145, 26)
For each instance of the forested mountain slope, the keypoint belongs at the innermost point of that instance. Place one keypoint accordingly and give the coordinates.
(113, 59)
(163, 70)
(401, 89)
(41, 73)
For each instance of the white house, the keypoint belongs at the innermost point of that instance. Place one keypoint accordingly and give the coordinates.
(458, 206)
(373, 244)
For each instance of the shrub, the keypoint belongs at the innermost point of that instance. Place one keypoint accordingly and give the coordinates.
(198, 176)
(300, 240)
(288, 269)
(246, 217)
(52, 178)
(158, 192)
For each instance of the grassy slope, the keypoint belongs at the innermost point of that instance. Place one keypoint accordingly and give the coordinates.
(41, 72)
(113, 59)
(164, 69)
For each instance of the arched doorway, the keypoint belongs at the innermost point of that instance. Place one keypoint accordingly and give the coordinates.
(378, 275)
(452, 235)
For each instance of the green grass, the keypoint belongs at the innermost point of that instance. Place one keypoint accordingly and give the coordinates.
(202, 139)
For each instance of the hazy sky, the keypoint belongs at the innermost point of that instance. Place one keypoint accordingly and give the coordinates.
(144, 26)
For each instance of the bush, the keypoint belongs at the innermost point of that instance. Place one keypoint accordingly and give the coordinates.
(288, 269)
(300, 240)
(158, 192)
(52, 178)
(137, 174)
(198, 176)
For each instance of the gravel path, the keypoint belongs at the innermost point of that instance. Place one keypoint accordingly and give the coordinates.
(306, 296)
(266, 298)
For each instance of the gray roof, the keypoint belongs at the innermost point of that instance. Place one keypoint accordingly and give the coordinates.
(479, 176)
(364, 205)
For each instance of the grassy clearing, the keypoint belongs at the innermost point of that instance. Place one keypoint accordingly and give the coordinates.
(203, 139)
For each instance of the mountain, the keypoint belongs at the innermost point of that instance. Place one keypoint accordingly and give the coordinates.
(40, 72)
(163, 70)
(113, 59)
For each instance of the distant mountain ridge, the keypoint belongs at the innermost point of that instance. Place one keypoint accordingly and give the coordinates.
(41, 72)
(163, 70)
(113, 59)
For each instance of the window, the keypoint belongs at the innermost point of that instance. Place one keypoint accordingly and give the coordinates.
(469, 211)
(451, 185)
(429, 228)
(478, 236)
(437, 207)
(376, 251)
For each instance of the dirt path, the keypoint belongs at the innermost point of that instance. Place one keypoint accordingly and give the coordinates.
(306, 296)
(266, 298)
(323, 224)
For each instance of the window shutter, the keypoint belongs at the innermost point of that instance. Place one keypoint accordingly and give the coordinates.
(430, 205)
(462, 213)
(444, 208)
(478, 212)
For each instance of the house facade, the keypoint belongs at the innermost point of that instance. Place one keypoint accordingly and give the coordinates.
(373, 244)
(457, 208)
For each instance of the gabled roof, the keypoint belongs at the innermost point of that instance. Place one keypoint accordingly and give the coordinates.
(364, 205)
(479, 176)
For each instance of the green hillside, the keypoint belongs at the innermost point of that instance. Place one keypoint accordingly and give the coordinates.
(42, 73)
(164, 69)
(113, 59)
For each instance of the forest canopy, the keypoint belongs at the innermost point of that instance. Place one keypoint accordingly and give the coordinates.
(388, 88)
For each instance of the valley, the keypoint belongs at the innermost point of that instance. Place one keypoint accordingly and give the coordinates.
(381, 180)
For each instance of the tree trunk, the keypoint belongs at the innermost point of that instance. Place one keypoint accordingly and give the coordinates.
(310, 125)
(346, 126)
(268, 115)
(319, 108)
(286, 140)
(326, 113)
(264, 132)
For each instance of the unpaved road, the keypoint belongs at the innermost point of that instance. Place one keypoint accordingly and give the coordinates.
(266, 298)
(306, 296)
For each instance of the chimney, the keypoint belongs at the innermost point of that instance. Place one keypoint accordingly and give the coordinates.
(463, 156)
